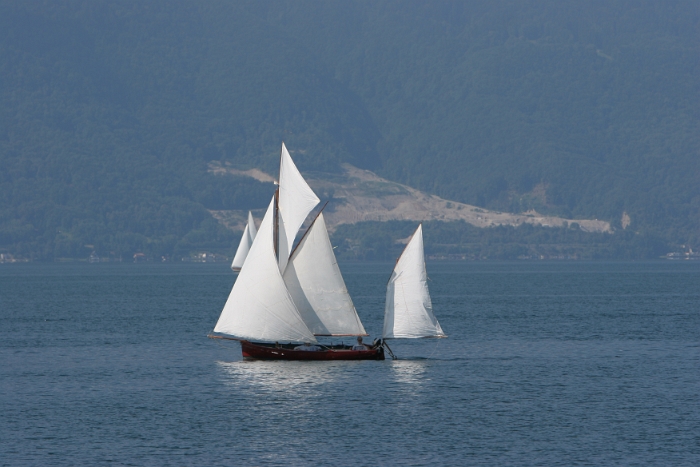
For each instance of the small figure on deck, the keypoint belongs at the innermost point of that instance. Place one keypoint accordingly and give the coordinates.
(308, 347)
(360, 345)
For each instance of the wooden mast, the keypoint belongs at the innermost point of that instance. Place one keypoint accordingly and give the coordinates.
(276, 230)
(276, 220)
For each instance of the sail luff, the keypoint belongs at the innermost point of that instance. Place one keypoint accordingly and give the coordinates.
(409, 310)
(259, 306)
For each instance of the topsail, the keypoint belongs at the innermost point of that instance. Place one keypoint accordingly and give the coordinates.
(296, 201)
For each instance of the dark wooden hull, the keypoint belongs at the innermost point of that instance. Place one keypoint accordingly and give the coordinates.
(287, 352)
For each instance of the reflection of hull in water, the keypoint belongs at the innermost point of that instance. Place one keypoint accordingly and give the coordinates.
(286, 352)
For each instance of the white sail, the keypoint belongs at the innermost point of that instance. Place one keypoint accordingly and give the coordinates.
(242, 251)
(283, 247)
(244, 246)
(251, 227)
(409, 311)
(296, 200)
(259, 306)
(317, 287)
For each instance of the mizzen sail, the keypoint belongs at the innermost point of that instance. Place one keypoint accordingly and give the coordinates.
(317, 287)
(409, 310)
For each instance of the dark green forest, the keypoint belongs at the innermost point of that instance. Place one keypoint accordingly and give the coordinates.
(111, 111)
(462, 241)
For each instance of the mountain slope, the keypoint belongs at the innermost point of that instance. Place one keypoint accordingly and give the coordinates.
(111, 112)
(357, 195)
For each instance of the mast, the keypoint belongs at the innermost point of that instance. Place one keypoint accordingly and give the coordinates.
(276, 231)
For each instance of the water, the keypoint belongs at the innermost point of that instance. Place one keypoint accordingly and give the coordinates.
(546, 364)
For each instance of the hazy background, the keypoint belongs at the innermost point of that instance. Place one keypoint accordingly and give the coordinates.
(111, 111)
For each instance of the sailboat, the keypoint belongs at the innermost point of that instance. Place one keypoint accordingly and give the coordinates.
(284, 297)
(408, 313)
(244, 246)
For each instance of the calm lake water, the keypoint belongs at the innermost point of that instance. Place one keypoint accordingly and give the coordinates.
(546, 364)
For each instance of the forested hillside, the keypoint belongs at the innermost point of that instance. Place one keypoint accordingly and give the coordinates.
(110, 113)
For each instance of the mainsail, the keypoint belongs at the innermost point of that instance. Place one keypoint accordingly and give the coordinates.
(259, 306)
(317, 287)
(246, 241)
(409, 310)
(296, 200)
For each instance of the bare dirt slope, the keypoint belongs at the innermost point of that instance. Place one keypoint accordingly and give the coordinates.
(360, 195)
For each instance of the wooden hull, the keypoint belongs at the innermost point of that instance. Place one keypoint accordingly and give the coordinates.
(287, 352)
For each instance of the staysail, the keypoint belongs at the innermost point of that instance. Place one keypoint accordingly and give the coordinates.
(317, 287)
(259, 306)
(246, 241)
(409, 310)
(296, 200)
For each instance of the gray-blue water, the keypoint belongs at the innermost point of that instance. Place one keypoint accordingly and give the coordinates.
(546, 364)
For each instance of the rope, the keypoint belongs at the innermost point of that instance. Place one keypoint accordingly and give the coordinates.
(219, 342)
(435, 348)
